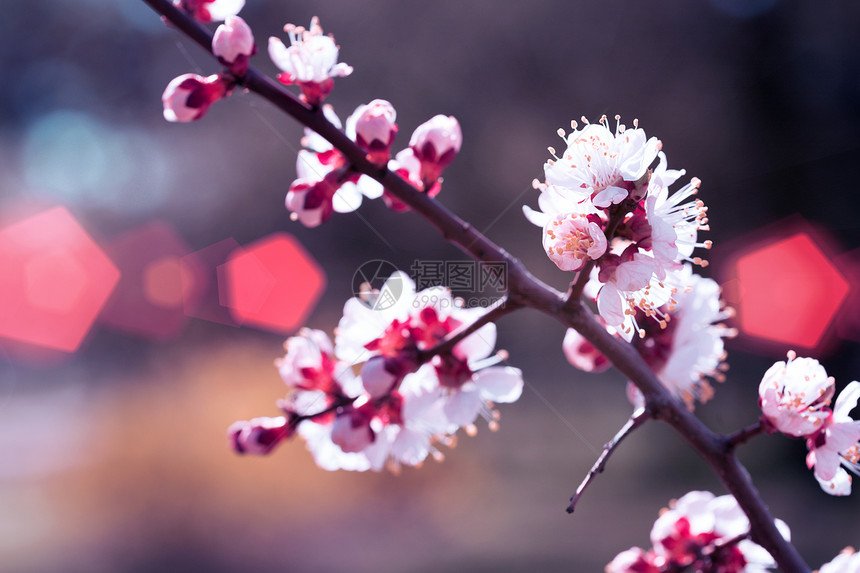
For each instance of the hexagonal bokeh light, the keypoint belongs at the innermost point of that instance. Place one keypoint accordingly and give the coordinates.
(272, 284)
(54, 282)
(788, 291)
(148, 300)
(200, 295)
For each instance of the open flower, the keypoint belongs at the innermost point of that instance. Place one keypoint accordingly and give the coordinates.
(688, 350)
(601, 165)
(794, 396)
(836, 445)
(572, 239)
(309, 62)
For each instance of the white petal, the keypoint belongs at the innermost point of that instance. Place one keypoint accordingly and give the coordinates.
(221, 9)
(536, 217)
(500, 383)
(609, 196)
(610, 306)
(346, 199)
(462, 406)
(410, 446)
(369, 187)
(840, 484)
(826, 463)
(847, 400)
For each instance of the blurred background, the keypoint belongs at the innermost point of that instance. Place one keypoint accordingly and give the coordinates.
(112, 421)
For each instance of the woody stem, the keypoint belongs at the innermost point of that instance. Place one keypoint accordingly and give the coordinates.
(499, 309)
(637, 419)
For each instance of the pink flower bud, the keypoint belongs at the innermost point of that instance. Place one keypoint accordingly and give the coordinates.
(408, 167)
(233, 39)
(258, 436)
(310, 201)
(376, 378)
(436, 142)
(351, 429)
(188, 97)
(582, 354)
(373, 128)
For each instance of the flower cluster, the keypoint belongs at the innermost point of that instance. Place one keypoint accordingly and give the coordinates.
(188, 97)
(699, 532)
(684, 350)
(327, 183)
(381, 396)
(795, 400)
(602, 205)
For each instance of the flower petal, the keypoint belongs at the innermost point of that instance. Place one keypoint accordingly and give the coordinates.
(500, 383)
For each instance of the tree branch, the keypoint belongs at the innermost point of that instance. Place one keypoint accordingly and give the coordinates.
(638, 418)
(499, 309)
(743, 435)
(530, 291)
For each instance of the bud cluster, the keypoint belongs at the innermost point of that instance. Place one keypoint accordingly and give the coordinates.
(327, 182)
(188, 97)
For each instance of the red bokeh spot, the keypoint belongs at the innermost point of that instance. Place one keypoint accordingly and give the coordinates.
(272, 284)
(848, 320)
(162, 282)
(54, 281)
(788, 291)
(200, 278)
(148, 299)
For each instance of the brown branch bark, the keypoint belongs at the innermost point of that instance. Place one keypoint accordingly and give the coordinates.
(525, 289)
(502, 307)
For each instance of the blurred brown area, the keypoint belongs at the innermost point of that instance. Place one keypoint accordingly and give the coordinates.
(115, 459)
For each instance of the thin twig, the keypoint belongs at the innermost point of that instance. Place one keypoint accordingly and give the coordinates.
(532, 292)
(499, 309)
(743, 435)
(638, 418)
